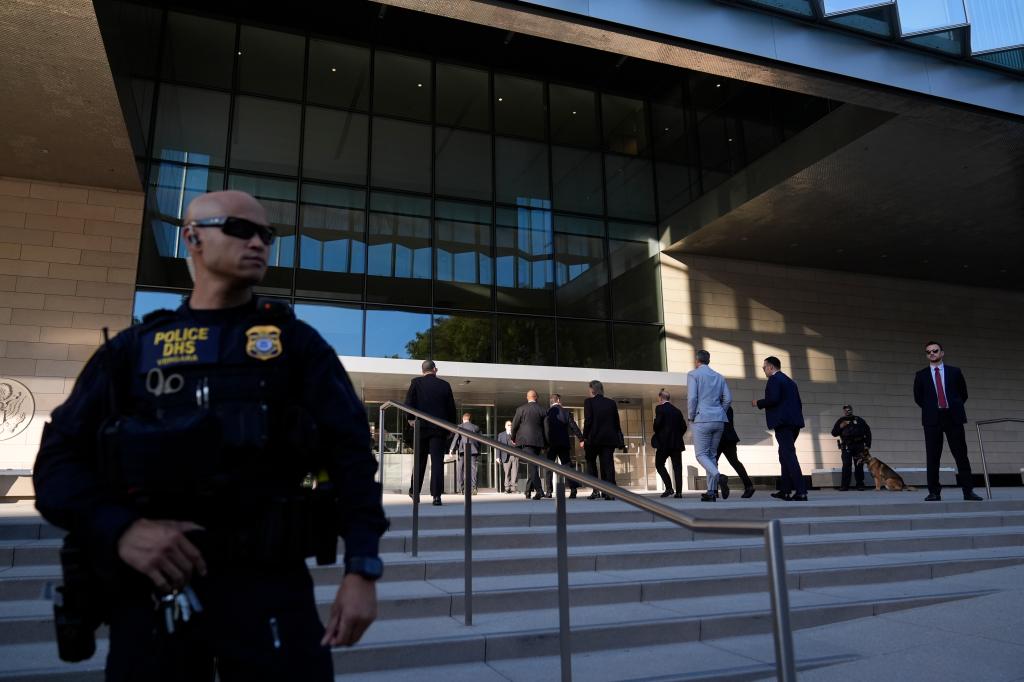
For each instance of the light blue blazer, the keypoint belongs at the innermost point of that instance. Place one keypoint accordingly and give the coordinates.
(708, 396)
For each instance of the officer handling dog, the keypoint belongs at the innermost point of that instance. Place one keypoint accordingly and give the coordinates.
(854, 435)
(201, 457)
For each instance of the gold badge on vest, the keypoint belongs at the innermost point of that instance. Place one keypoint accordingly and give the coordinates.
(264, 342)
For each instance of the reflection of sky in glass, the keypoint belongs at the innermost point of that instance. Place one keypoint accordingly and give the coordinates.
(929, 15)
(832, 6)
(278, 199)
(533, 267)
(388, 332)
(174, 187)
(463, 243)
(148, 301)
(996, 24)
(341, 327)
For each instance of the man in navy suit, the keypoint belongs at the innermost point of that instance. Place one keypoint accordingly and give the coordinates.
(434, 396)
(784, 414)
(941, 391)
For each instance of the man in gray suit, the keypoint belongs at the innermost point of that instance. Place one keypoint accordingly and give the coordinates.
(509, 463)
(707, 399)
(462, 445)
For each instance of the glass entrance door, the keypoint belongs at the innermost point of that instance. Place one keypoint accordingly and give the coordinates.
(484, 416)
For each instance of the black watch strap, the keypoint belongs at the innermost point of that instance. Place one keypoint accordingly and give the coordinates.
(371, 568)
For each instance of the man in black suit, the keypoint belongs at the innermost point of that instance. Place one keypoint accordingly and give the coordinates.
(784, 414)
(558, 427)
(941, 391)
(528, 434)
(669, 427)
(509, 463)
(433, 396)
(601, 435)
(460, 446)
(727, 447)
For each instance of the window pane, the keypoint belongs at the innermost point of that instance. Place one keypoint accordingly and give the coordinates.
(583, 344)
(928, 15)
(270, 62)
(339, 75)
(399, 266)
(625, 130)
(191, 125)
(265, 136)
(580, 271)
(462, 338)
(401, 155)
(278, 199)
(335, 145)
(332, 247)
(630, 187)
(636, 284)
(874, 21)
(396, 333)
(639, 347)
(518, 106)
(996, 24)
(463, 163)
(521, 171)
(677, 187)
(132, 37)
(401, 85)
(671, 134)
(834, 6)
(465, 274)
(577, 180)
(573, 116)
(524, 267)
(462, 99)
(148, 301)
(526, 340)
(341, 327)
(198, 50)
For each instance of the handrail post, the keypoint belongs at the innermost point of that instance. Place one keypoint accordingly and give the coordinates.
(785, 662)
(467, 487)
(984, 462)
(380, 449)
(562, 543)
(416, 483)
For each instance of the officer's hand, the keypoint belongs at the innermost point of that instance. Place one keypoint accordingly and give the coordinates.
(753, 403)
(160, 550)
(353, 610)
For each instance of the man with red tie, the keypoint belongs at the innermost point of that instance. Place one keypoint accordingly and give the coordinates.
(941, 391)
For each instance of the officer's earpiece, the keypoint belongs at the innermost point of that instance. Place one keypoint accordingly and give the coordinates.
(193, 239)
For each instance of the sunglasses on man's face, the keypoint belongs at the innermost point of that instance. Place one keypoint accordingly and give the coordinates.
(239, 227)
(933, 352)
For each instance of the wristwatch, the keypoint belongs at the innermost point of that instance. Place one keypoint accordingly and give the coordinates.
(370, 568)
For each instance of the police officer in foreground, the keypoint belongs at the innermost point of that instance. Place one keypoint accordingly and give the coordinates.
(854, 435)
(231, 447)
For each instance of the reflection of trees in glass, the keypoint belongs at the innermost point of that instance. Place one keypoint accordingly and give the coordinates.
(526, 341)
(462, 339)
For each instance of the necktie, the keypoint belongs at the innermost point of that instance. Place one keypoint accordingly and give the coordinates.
(938, 389)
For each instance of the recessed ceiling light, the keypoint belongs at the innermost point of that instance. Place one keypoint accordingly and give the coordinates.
(966, 266)
(885, 255)
(718, 85)
(500, 99)
(574, 113)
(666, 130)
(730, 139)
(239, 53)
(333, 69)
(419, 85)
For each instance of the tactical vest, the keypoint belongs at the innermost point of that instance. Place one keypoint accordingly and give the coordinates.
(854, 432)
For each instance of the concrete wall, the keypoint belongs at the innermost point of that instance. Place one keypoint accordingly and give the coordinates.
(848, 338)
(68, 256)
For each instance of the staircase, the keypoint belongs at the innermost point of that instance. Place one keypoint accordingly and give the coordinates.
(648, 598)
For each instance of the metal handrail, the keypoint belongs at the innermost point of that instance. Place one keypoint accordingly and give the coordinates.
(785, 663)
(981, 444)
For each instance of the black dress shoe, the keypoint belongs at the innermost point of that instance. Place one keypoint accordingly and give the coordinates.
(797, 498)
(707, 498)
(933, 497)
(860, 486)
(970, 496)
(594, 495)
(437, 502)
(723, 485)
(844, 488)
(547, 496)
(779, 495)
(678, 495)
(572, 494)
(748, 492)
(538, 495)
(667, 493)
(608, 497)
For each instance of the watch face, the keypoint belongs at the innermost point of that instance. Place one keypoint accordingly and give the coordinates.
(368, 567)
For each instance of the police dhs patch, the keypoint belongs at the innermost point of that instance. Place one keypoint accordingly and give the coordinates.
(264, 342)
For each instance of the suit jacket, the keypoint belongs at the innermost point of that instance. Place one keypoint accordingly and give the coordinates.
(528, 425)
(707, 395)
(781, 402)
(461, 441)
(601, 422)
(955, 388)
(433, 396)
(669, 427)
(730, 435)
(559, 426)
(504, 439)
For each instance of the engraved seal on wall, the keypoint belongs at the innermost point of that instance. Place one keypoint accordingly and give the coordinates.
(17, 407)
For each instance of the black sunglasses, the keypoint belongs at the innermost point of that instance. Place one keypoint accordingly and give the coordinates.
(932, 352)
(239, 227)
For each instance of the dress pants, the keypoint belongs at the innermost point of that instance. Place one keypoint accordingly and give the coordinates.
(660, 457)
(460, 465)
(848, 466)
(510, 470)
(954, 433)
(606, 455)
(433, 445)
(533, 482)
(728, 448)
(560, 454)
(792, 476)
(706, 437)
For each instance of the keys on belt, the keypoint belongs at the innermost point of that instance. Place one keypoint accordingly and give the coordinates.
(176, 609)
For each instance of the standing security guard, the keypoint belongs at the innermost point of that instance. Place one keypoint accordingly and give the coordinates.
(196, 501)
(854, 435)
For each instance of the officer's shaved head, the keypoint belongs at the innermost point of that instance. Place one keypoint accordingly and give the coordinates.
(227, 203)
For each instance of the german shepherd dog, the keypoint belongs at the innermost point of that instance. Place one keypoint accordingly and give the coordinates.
(882, 472)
